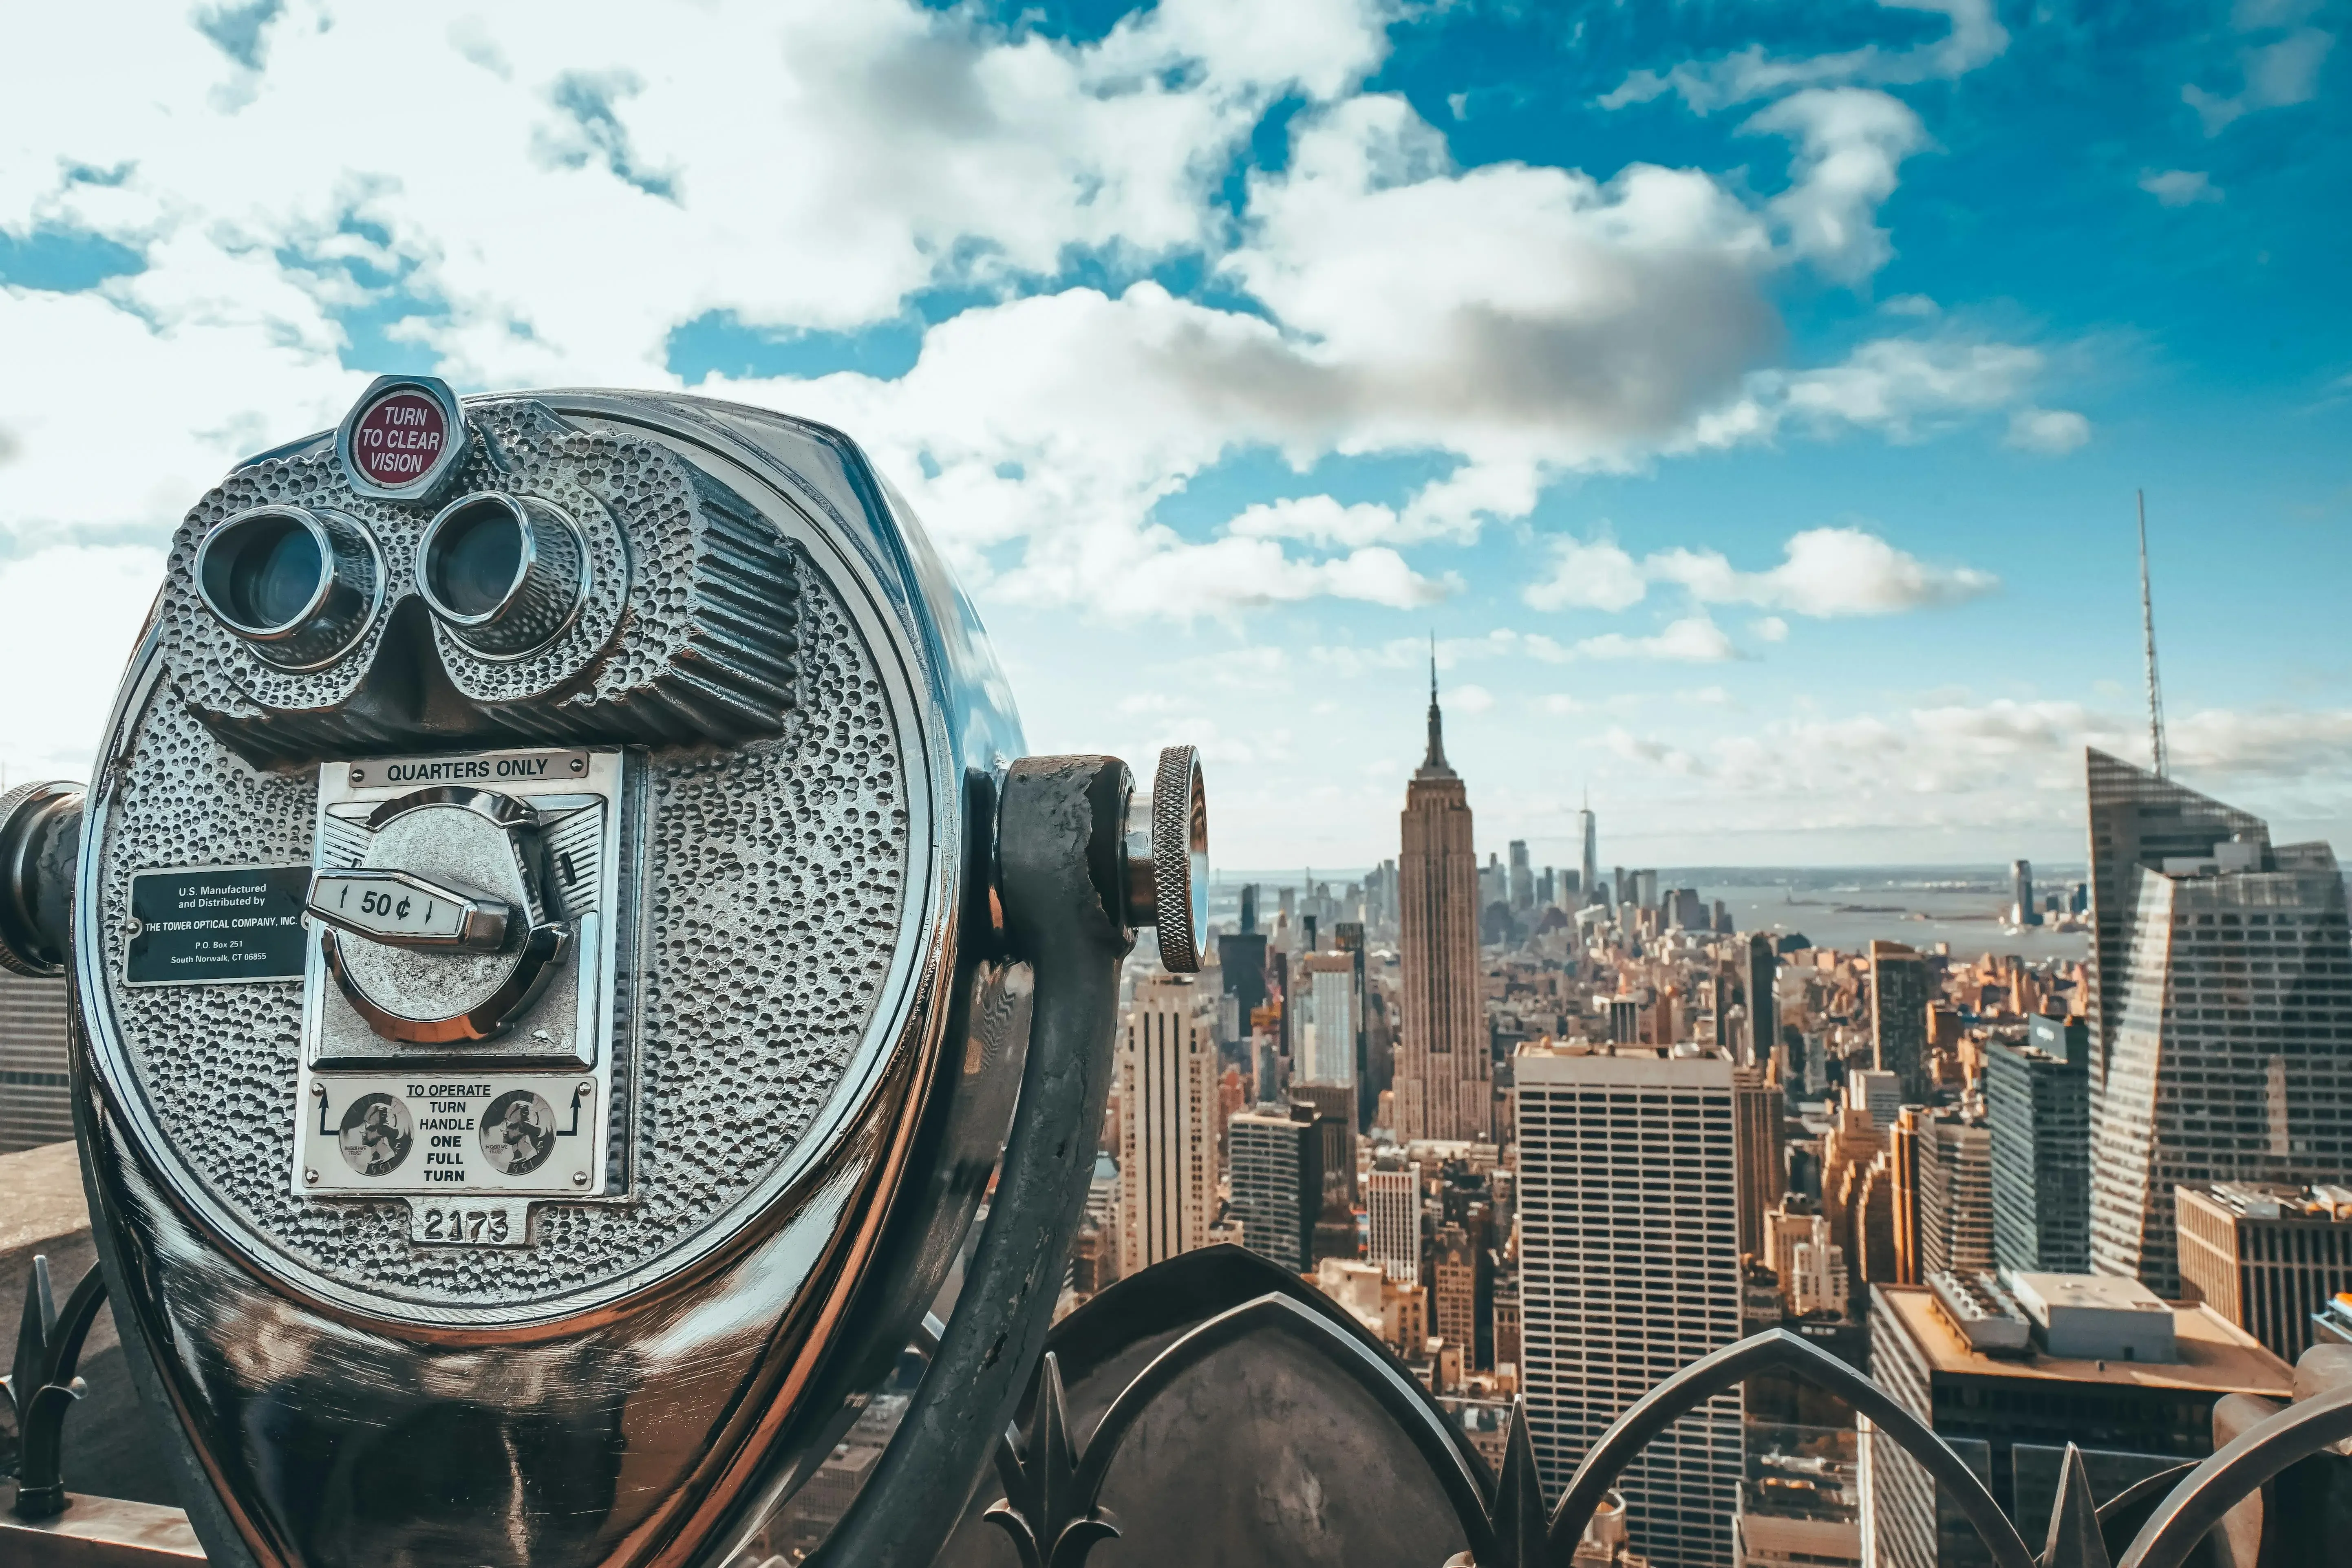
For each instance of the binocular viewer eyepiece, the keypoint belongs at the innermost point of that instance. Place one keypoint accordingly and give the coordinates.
(506, 573)
(299, 585)
(565, 934)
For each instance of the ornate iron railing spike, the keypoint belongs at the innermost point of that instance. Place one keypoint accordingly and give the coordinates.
(2196, 1505)
(1518, 1519)
(2074, 1540)
(1777, 1350)
(1054, 1521)
(41, 1386)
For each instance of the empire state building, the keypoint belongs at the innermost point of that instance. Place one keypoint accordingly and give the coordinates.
(1443, 1080)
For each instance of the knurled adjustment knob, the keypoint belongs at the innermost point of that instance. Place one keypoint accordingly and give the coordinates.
(40, 835)
(1167, 860)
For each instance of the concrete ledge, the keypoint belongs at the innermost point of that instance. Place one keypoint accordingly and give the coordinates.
(100, 1533)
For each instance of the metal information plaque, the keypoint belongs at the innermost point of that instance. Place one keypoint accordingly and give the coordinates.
(213, 925)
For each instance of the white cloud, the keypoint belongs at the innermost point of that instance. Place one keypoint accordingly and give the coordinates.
(1694, 639)
(1769, 629)
(1824, 571)
(1655, 754)
(812, 166)
(2052, 431)
(1851, 145)
(2277, 75)
(1974, 37)
(1829, 572)
(1594, 575)
(2179, 187)
(1472, 698)
(1319, 519)
(2273, 744)
(58, 606)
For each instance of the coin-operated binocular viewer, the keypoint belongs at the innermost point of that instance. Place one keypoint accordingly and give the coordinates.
(561, 934)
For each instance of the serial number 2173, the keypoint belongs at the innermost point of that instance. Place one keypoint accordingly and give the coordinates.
(469, 1224)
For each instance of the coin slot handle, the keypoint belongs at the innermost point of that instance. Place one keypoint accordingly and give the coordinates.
(401, 909)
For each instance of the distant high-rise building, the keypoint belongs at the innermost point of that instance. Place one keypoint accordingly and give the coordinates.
(1241, 968)
(1954, 1197)
(1898, 1019)
(1590, 867)
(2021, 892)
(2038, 1107)
(1758, 1111)
(1811, 1267)
(1763, 1003)
(2267, 1256)
(1392, 1207)
(1442, 1072)
(1522, 877)
(1509, 1344)
(1168, 1125)
(2139, 821)
(2222, 1035)
(1456, 1264)
(1618, 1293)
(1880, 1093)
(1325, 986)
(35, 1081)
(1646, 884)
(1274, 1158)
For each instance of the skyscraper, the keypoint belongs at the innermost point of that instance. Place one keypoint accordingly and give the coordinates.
(1630, 1271)
(1764, 1004)
(2038, 1105)
(1955, 1203)
(2268, 1258)
(1392, 1204)
(2224, 1029)
(1168, 1125)
(2138, 820)
(1587, 831)
(1324, 990)
(1522, 877)
(1275, 1155)
(1759, 1113)
(1442, 1076)
(2021, 894)
(1898, 1019)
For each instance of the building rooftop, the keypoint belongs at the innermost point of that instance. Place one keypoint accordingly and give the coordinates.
(2216, 1356)
(2273, 1200)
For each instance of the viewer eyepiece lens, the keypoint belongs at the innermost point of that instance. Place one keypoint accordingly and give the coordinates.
(299, 585)
(476, 559)
(264, 574)
(505, 573)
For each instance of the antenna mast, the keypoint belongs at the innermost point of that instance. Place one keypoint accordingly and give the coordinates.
(2148, 629)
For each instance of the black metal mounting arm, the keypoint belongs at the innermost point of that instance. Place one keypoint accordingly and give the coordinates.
(41, 1386)
(1058, 853)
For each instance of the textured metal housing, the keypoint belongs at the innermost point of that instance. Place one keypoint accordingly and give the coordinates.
(687, 631)
(811, 703)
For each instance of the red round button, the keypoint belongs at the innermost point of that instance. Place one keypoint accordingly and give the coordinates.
(399, 436)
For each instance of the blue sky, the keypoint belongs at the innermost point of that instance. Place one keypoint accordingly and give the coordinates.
(1749, 398)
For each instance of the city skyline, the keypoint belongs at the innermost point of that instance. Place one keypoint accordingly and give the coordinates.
(1758, 429)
